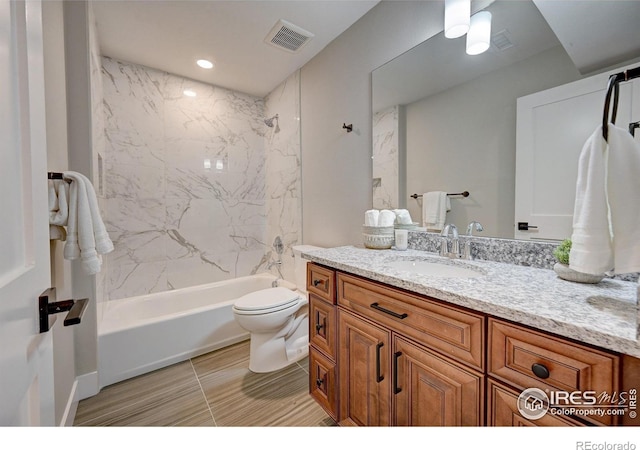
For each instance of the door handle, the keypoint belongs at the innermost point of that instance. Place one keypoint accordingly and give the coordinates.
(379, 377)
(524, 226)
(396, 389)
(45, 308)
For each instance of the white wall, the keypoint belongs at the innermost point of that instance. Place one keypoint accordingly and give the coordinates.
(336, 89)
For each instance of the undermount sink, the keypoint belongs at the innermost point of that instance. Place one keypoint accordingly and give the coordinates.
(435, 269)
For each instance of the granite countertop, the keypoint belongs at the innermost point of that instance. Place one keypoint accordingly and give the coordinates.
(603, 314)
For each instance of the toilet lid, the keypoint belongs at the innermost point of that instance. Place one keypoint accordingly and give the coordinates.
(266, 299)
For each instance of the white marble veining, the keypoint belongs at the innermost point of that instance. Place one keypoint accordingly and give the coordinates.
(386, 163)
(198, 187)
(603, 314)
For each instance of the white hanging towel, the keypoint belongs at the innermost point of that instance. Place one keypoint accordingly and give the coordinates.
(606, 215)
(58, 209)
(87, 237)
(434, 210)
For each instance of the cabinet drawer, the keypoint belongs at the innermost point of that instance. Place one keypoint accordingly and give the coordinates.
(528, 358)
(502, 410)
(322, 326)
(457, 334)
(321, 282)
(322, 382)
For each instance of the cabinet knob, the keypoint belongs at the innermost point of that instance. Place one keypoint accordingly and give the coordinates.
(317, 282)
(540, 370)
(318, 382)
(319, 327)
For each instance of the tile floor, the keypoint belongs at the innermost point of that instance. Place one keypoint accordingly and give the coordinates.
(215, 389)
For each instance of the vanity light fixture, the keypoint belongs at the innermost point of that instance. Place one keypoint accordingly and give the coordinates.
(456, 18)
(189, 93)
(205, 64)
(479, 35)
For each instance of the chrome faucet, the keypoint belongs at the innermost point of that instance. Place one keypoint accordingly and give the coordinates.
(278, 264)
(477, 226)
(474, 225)
(454, 252)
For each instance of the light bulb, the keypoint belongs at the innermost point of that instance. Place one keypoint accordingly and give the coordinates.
(479, 35)
(456, 17)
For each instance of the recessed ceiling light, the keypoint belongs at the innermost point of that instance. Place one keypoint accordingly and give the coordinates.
(205, 64)
(189, 93)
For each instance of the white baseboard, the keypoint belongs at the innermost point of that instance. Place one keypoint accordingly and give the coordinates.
(87, 385)
(70, 409)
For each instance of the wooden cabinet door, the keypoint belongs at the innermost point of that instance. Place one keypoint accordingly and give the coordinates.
(363, 372)
(322, 382)
(431, 391)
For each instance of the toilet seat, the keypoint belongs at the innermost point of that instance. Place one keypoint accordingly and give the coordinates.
(266, 301)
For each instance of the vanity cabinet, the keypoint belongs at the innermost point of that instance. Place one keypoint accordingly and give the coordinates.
(322, 338)
(383, 356)
(387, 378)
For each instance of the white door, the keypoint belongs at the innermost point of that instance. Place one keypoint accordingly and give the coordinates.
(552, 127)
(26, 357)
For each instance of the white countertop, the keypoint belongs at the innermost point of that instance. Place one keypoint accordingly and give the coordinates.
(603, 314)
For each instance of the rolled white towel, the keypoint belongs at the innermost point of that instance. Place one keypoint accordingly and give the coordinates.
(371, 218)
(403, 217)
(386, 218)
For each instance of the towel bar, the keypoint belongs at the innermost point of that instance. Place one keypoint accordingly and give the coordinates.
(463, 194)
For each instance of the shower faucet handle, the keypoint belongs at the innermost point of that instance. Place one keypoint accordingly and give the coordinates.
(278, 245)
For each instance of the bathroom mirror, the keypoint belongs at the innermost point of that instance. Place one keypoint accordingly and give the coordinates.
(446, 121)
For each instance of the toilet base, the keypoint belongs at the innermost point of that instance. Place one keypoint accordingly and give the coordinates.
(268, 354)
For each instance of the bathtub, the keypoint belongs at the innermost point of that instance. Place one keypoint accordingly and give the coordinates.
(139, 334)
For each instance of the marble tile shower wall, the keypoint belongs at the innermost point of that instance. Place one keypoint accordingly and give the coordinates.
(283, 180)
(186, 190)
(386, 158)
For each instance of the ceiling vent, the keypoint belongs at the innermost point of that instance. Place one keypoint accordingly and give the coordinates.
(287, 36)
(501, 40)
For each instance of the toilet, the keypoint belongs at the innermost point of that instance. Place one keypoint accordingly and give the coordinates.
(277, 319)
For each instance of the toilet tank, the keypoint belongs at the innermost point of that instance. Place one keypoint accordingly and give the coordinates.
(301, 264)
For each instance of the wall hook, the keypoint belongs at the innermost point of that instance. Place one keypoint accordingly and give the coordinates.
(349, 127)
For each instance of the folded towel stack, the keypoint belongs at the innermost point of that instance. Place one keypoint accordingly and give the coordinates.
(371, 218)
(403, 217)
(386, 217)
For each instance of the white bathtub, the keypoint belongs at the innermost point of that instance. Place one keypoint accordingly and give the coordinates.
(140, 334)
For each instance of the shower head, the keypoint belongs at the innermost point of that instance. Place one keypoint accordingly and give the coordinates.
(269, 122)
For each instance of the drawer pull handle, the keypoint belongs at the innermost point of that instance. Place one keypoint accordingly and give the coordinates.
(379, 377)
(396, 389)
(540, 371)
(318, 382)
(386, 311)
(319, 326)
(317, 282)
